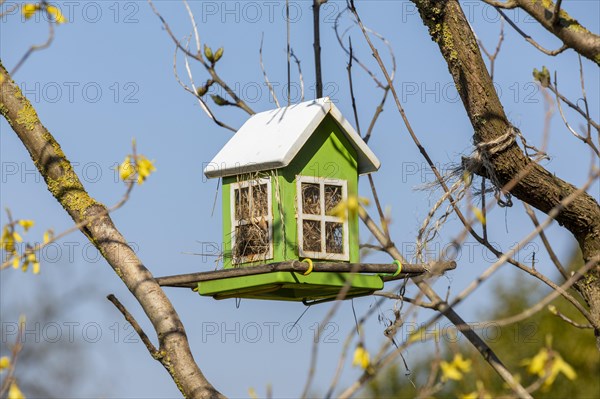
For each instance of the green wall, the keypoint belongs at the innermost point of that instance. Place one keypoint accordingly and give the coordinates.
(328, 154)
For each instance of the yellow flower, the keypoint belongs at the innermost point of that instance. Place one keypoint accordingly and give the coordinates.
(144, 168)
(16, 261)
(31, 259)
(348, 208)
(463, 364)
(14, 392)
(548, 363)
(8, 239)
(478, 214)
(27, 224)
(361, 357)
(29, 9)
(480, 393)
(537, 364)
(17, 237)
(4, 363)
(48, 236)
(126, 169)
(58, 16)
(450, 372)
(455, 369)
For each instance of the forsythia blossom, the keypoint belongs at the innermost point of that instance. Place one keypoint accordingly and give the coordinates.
(29, 9)
(139, 165)
(14, 392)
(455, 369)
(361, 357)
(548, 364)
(349, 208)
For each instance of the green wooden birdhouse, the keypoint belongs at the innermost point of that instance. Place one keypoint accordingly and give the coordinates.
(287, 175)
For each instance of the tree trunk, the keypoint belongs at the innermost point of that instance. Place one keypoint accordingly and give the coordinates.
(449, 28)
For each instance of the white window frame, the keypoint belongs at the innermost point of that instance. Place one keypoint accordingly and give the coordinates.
(235, 223)
(322, 218)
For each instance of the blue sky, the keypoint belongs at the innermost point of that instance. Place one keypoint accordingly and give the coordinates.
(108, 77)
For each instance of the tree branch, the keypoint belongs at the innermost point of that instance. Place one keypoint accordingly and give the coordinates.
(65, 186)
(449, 28)
(565, 27)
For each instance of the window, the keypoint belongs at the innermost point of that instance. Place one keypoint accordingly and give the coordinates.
(321, 235)
(252, 221)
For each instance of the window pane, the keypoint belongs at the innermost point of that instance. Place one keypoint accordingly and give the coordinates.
(311, 199)
(242, 204)
(251, 240)
(334, 237)
(333, 196)
(311, 232)
(260, 200)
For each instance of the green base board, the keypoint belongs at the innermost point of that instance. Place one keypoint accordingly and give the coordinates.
(290, 286)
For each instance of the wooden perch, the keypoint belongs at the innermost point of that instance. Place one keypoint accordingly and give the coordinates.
(191, 280)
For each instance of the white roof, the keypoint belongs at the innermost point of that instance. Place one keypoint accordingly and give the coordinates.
(271, 140)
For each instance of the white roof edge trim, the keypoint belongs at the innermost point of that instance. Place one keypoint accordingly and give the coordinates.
(367, 162)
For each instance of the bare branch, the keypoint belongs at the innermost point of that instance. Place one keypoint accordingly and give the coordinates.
(545, 301)
(37, 47)
(530, 40)
(140, 332)
(349, 70)
(194, 25)
(545, 241)
(317, 45)
(65, 186)
(264, 71)
(588, 139)
(297, 61)
(566, 28)
(238, 102)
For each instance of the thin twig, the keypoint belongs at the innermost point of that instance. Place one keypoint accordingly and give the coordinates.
(194, 90)
(382, 218)
(131, 320)
(507, 255)
(315, 347)
(238, 102)
(587, 140)
(492, 57)
(37, 47)
(545, 241)
(81, 224)
(527, 313)
(378, 112)
(297, 61)
(317, 46)
(528, 38)
(288, 52)
(194, 25)
(349, 70)
(264, 71)
(421, 304)
(556, 312)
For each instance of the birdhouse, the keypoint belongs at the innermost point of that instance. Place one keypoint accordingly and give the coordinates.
(290, 220)
(287, 177)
